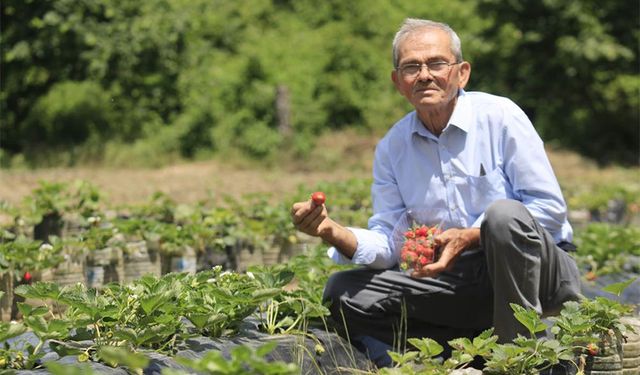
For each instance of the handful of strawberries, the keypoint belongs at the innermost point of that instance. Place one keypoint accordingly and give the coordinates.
(418, 248)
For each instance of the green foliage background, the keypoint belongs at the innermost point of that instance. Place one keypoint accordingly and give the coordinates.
(121, 80)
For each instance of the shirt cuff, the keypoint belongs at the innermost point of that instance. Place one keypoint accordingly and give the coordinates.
(367, 250)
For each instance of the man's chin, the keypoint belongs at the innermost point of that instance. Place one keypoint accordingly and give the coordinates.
(423, 100)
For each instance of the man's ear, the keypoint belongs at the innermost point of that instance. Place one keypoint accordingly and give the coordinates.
(396, 79)
(464, 73)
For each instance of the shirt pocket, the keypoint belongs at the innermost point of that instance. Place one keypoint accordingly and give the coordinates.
(478, 192)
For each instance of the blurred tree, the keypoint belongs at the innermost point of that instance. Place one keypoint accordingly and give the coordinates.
(149, 79)
(128, 48)
(573, 66)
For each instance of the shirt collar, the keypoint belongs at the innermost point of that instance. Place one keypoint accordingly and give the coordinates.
(460, 118)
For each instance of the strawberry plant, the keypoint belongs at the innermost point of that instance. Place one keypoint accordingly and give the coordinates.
(224, 224)
(44, 329)
(51, 202)
(100, 237)
(597, 199)
(527, 355)
(160, 207)
(23, 254)
(11, 357)
(286, 311)
(605, 248)
(588, 322)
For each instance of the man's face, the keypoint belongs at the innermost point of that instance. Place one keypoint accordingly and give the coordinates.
(429, 90)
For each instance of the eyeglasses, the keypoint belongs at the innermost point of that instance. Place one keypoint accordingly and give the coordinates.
(435, 68)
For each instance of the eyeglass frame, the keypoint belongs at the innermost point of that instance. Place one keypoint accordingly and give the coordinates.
(425, 65)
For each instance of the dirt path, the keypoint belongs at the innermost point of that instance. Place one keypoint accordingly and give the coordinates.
(186, 183)
(338, 158)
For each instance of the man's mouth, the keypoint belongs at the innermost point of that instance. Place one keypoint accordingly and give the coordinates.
(425, 89)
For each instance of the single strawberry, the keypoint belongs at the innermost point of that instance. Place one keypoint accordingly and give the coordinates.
(27, 277)
(422, 231)
(318, 198)
(592, 349)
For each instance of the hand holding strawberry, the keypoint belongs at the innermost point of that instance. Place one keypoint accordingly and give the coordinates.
(310, 216)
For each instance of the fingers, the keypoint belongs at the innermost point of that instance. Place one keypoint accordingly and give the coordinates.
(444, 262)
(307, 216)
(430, 270)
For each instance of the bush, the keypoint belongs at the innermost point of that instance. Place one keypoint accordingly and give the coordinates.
(70, 114)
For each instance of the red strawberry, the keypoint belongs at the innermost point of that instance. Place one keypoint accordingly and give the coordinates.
(27, 277)
(422, 231)
(318, 198)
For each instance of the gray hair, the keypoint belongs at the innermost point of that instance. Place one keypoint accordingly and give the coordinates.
(411, 25)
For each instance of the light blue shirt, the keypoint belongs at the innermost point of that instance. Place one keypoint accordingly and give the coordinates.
(488, 151)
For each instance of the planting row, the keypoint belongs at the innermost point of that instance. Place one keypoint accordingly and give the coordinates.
(166, 315)
(162, 313)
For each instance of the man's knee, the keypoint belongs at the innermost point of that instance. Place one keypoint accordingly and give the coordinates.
(500, 220)
(501, 212)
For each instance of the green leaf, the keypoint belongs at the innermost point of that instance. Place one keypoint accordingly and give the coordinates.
(58, 328)
(151, 302)
(123, 357)
(9, 330)
(427, 347)
(198, 319)
(263, 294)
(618, 288)
(265, 349)
(56, 368)
(127, 334)
(529, 318)
(39, 290)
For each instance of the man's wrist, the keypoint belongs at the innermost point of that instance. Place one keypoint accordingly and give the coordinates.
(327, 233)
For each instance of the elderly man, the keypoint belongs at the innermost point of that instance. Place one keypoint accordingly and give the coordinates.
(473, 163)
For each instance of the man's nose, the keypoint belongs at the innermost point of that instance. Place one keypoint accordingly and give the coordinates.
(424, 74)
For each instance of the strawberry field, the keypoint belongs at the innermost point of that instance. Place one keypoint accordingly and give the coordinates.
(227, 286)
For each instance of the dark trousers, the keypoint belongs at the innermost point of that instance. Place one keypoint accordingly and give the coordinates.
(517, 262)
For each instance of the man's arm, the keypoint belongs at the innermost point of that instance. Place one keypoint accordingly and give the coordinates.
(534, 183)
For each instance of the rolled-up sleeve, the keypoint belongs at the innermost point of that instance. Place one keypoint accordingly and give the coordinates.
(373, 250)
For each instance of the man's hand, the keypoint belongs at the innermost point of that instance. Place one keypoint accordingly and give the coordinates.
(310, 218)
(451, 243)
